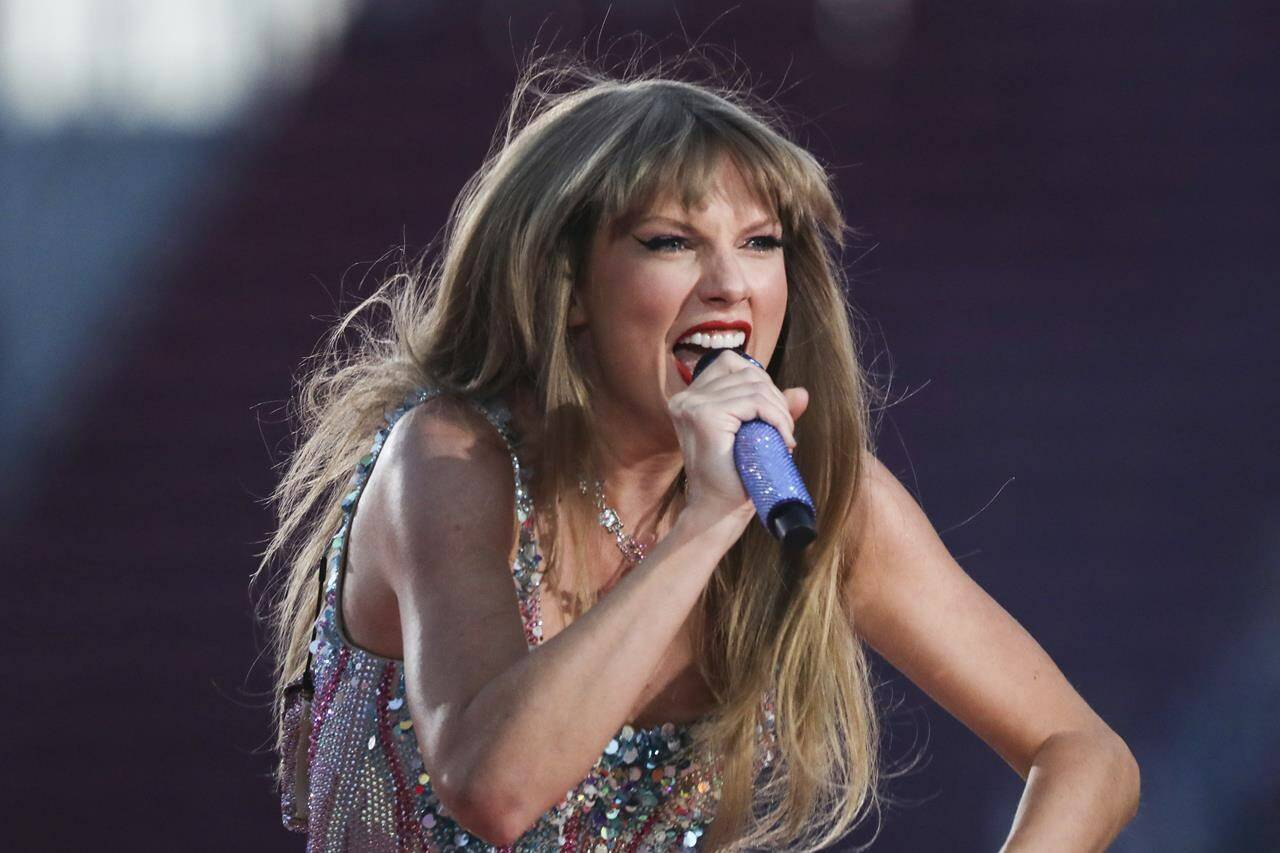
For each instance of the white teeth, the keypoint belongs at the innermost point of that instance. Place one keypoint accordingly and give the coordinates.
(718, 340)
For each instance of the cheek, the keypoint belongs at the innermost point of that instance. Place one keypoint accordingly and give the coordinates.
(780, 294)
(629, 326)
(771, 306)
(640, 305)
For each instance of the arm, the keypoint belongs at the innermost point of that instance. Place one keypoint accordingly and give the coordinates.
(914, 605)
(504, 731)
(1081, 791)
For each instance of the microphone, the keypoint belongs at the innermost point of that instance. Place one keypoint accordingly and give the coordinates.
(770, 476)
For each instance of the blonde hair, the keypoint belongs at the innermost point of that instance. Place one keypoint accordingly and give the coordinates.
(580, 149)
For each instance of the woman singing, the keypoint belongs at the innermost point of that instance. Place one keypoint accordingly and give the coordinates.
(527, 594)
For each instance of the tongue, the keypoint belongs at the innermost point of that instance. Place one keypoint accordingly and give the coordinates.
(688, 355)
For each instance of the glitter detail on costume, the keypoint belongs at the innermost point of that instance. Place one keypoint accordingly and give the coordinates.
(369, 789)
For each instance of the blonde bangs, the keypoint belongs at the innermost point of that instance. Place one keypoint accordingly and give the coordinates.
(674, 148)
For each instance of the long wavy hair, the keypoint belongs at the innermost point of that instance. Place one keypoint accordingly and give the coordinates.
(580, 148)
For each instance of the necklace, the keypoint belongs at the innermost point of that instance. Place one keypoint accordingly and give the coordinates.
(632, 550)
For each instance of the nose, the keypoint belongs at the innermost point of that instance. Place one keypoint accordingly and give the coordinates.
(723, 280)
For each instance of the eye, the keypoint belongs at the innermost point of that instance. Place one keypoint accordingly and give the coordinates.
(765, 243)
(664, 243)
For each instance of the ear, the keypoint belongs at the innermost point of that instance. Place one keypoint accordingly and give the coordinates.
(577, 313)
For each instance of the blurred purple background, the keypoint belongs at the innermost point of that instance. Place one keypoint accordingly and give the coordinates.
(1070, 270)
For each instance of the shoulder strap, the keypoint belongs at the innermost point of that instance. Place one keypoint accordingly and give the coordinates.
(362, 469)
(526, 569)
(495, 411)
(498, 415)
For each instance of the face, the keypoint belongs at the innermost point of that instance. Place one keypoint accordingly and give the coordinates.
(716, 269)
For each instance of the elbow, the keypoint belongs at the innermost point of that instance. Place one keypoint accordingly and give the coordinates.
(484, 810)
(1130, 775)
(478, 790)
(1120, 776)
(503, 821)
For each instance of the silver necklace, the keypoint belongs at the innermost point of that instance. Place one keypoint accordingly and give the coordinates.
(632, 550)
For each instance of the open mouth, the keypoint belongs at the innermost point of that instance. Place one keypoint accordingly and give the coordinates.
(690, 348)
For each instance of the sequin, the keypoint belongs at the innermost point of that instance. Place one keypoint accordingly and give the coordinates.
(369, 789)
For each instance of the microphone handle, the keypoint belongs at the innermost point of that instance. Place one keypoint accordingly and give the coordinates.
(770, 476)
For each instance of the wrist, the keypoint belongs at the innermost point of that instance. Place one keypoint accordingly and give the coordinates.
(699, 521)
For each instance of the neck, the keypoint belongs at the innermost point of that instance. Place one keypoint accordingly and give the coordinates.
(638, 465)
(639, 461)
(636, 487)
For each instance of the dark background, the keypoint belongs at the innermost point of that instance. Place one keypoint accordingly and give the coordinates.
(1069, 270)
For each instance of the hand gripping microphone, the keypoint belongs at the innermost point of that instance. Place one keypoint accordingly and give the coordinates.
(770, 477)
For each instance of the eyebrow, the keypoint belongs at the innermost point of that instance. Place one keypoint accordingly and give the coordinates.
(759, 223)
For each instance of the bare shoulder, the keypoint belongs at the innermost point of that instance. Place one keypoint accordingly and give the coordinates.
(886, 520)
(441, 515)
(446, 425)
(912, 602)
(443, 481)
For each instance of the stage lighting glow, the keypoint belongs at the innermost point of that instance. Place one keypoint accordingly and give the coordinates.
(137, 64)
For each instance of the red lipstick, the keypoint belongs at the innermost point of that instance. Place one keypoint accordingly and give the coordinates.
(685, 371)
(719, 326)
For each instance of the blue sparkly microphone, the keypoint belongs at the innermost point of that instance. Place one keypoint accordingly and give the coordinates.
(770, 476)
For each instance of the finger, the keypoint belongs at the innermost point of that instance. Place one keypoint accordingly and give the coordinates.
(797, 400)
(736, 386)
(748, 407)
(756, 381)
(739, 368)
(747, 377)
(727, 362)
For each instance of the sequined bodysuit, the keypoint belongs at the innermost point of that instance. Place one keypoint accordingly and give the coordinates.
(369, 789)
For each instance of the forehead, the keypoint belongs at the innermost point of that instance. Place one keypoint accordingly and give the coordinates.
(727, 193)
(721, 191)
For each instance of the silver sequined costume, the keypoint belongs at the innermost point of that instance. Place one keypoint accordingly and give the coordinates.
(369, 790)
